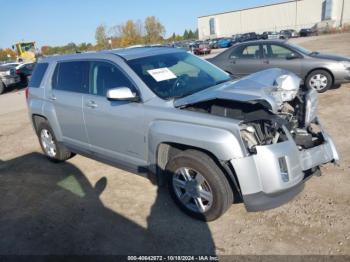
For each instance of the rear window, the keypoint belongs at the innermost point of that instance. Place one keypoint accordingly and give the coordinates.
(38, 74)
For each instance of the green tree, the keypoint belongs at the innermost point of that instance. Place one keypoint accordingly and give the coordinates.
(154, 30)
(190, 34)
(7, 54)
(101, 37)
(131, 33)
(185, 35)
(196, 34)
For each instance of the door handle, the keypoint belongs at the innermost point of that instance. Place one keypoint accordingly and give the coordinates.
(92, 104)
(233, 62)
(266, 62)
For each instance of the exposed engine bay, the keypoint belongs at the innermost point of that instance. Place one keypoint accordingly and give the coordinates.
(259, 126)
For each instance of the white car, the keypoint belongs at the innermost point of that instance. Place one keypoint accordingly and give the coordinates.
(8, 77)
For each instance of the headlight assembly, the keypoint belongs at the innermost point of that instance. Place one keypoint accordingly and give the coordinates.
(248, 134)
(311, 107)
(287, 88)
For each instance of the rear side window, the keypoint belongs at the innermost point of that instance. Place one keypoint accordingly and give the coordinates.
(246, 52)
(38, 74)
(72, 76)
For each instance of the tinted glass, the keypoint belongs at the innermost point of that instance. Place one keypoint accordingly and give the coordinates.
(38, 74)
(177, 74)
(246, 52)
(72, 76)
(106, 76)
(276, 51)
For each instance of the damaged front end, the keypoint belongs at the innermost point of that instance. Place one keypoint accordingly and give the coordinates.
(281, 133)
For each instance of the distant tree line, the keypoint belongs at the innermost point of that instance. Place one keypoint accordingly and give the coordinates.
(7, 54)
(149, 31)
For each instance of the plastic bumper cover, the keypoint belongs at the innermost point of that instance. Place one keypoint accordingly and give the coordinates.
(265, 184)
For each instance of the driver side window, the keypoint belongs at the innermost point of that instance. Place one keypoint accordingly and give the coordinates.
(105, 76)
(277, 52)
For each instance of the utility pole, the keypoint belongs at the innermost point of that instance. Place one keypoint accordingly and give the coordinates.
(342, 14)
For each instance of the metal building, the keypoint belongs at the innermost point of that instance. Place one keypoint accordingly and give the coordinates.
(295, 14)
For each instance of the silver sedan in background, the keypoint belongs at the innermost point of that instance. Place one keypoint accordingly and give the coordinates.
(319, 71)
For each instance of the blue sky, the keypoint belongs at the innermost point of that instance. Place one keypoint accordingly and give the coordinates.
(58, 22)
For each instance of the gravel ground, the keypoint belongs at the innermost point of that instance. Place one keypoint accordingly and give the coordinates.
(85, 207)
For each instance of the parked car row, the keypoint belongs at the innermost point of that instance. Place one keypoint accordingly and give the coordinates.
(318, 71)
(238, 38)
(15, 74)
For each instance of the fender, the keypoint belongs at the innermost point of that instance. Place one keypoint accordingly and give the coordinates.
(49, 112)
(222, 143)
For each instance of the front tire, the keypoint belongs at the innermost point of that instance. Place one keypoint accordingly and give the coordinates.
(198, 186)
(320, 80)
(53, 149)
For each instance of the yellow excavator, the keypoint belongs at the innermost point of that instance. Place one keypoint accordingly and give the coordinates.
(25, 51)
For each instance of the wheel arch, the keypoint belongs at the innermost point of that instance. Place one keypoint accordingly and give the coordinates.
(319, 68)
(167, 150)
(37, 119)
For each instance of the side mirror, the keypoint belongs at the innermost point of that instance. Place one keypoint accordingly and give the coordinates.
(122, 94)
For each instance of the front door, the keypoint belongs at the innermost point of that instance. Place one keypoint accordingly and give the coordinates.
(245, 60)
(115, 128)
(278, 56)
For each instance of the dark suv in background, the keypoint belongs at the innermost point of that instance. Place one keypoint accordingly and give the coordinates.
(248, 37)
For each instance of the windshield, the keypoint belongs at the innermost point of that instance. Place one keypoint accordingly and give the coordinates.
(177, 75)
(301, 49)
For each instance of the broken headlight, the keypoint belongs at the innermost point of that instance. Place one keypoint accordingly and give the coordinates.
(261, 133)
(287, 87)
(311, 106)
(250, 138)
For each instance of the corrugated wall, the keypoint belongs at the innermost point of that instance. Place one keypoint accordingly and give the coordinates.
(290, 15)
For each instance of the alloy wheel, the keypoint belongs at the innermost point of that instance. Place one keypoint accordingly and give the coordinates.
(192, 189)
(318, 82)
(48, 143)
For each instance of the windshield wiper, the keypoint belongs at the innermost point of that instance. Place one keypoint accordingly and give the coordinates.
(314, 53)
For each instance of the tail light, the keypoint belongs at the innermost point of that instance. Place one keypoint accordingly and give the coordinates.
(26, 92)
(18, 72)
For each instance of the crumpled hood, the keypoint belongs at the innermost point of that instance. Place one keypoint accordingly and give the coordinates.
(256, 88)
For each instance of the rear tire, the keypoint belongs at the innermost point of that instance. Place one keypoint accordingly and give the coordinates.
(198, 186)
(2, 87)
(52, 148)
(320, 80)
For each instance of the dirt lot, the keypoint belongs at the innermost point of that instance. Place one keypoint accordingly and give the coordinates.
(85, 207)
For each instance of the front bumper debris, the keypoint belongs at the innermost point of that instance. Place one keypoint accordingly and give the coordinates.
(275, 174)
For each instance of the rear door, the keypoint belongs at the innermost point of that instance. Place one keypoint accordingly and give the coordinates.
(278, 56)
(69, 83)
(245, 60)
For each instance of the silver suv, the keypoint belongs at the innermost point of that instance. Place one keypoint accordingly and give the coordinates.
(163, 111)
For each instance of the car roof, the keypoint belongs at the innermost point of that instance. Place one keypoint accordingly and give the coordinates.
(125, 53)
(267, 41)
